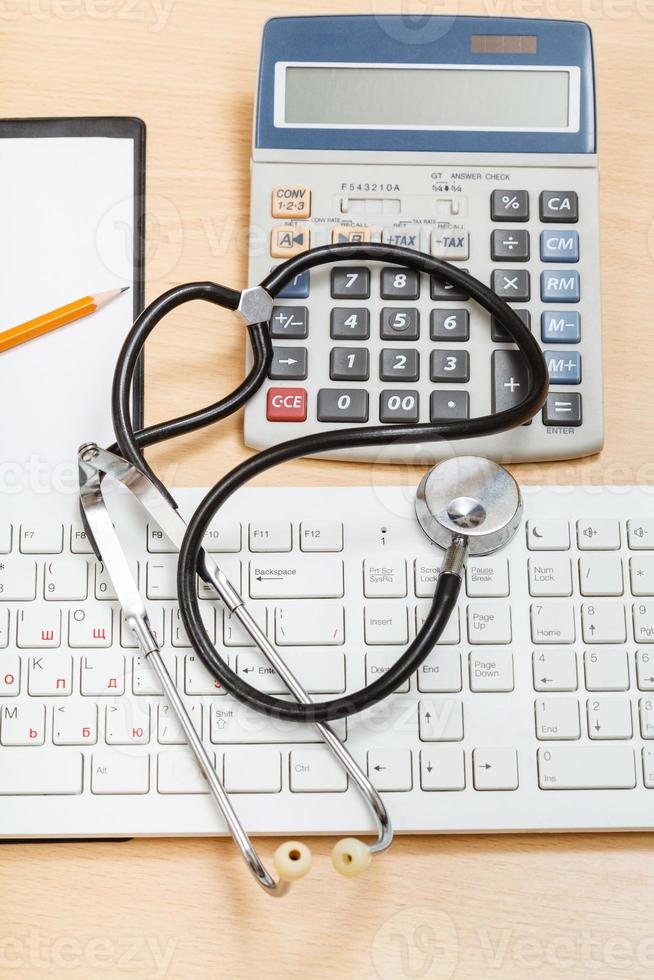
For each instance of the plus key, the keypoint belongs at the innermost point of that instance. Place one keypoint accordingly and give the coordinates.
(510, 379)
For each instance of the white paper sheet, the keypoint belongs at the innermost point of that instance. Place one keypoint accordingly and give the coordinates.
(66, 231)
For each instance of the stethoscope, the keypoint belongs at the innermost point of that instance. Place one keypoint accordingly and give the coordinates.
(466, 505)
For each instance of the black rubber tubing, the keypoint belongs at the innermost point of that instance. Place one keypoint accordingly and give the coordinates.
(131, 445)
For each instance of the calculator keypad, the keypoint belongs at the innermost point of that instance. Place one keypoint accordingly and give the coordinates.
(376, 343)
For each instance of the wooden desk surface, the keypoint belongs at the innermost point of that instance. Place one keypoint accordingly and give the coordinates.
(434, 907)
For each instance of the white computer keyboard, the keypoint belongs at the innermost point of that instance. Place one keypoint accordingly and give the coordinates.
(536, 712)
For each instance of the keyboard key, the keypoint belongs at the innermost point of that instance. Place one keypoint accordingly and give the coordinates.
(270, 536)
(606, 670)
(442, 289)
(601, 575)
(145, 680)
(10, 667)
(643, 614)
(557, 718)
(564, 369)
(552, 622)
(103, 676)
(292, 201)
(598, 535)
(4, 628)
(296, 578)
(586, 767)
(449, 325)
(115, 772)
(344, 234)
(315, 770)
(384, 578)
(67, 579)
(321, 536)
(169, 729)
(510, 245)
(235, 723)
(603, 622)
(491, 671)
(320, 673)
(222, 536)
(640, 535)
(489, 622)
(350, 282)
(451, 633)
(128, 637)
(449, 366)
(289, 240)
(297, 288)
(178, 772)
(560, 206)
(512, 285)
(560, 287)
(450, 244)
(90, 626)
(609, 718)
(378, 663)
(554, 670)
(399, 324)
(234, 633)
(289, 364)
(646, 714)
(104, 587)
(342, 405)
(440, 673)
(390, 769)
(440, 720)
(644, 671)
(563, 410)
(349, 364)
(17, 580)
(39, 628)
(286, 405)
(444, 406)
(400, 284)
(75, 723)
(559, 246)
(495, 769)
(197, 679)
(127, 723)
(41, 538)
(289, 323)
(22, 724)
(641, 575)
(5, 537)
(386, 623)
(510, 379)
(509, 205)
(349, 323)
(310, 624)
(442, 768)
(253, 770)
(50, 676)
(550, 576)
(500, 336)
(79, 542)
(399, 406)
(559, 327)
(487, 577)
(42, 772)
(548, 535)
(399, 365)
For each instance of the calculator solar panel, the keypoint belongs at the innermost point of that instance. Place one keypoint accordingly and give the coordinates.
(516, 205)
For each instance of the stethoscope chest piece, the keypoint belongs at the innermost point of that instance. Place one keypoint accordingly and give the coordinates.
(472, 498)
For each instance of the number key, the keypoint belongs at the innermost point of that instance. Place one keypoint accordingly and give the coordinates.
(399, 365)
(450, 325)
(351, 282)
(350, 323)
(342, 405)
(449, 365)
(399, 324)
(398, 406)
(400, 284)
(442, 289)
(349, 364)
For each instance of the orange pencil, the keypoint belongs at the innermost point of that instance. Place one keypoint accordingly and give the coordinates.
(56, 318)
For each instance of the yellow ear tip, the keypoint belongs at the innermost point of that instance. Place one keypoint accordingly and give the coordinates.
(292, 860)
(351, 856)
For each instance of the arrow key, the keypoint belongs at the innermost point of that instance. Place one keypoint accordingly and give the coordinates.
(645, 670)
(555, 670)
(289, 364)
(609, 718)
(442, 768)
(495, 769)
(391, 769)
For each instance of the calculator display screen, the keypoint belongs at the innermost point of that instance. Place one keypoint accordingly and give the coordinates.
(427, 97)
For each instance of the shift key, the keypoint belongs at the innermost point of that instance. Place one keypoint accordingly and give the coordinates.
(296, 578)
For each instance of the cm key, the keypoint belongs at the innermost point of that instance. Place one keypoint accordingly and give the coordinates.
(510, 379)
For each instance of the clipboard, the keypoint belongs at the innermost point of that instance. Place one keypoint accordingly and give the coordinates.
(72, 210)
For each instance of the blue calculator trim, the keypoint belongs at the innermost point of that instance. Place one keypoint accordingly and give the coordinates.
(413, 39)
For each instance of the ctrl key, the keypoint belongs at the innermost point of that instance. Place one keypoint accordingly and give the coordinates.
(43, 772)
(286, 405)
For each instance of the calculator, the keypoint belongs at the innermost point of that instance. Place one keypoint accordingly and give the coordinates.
(472, 139)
